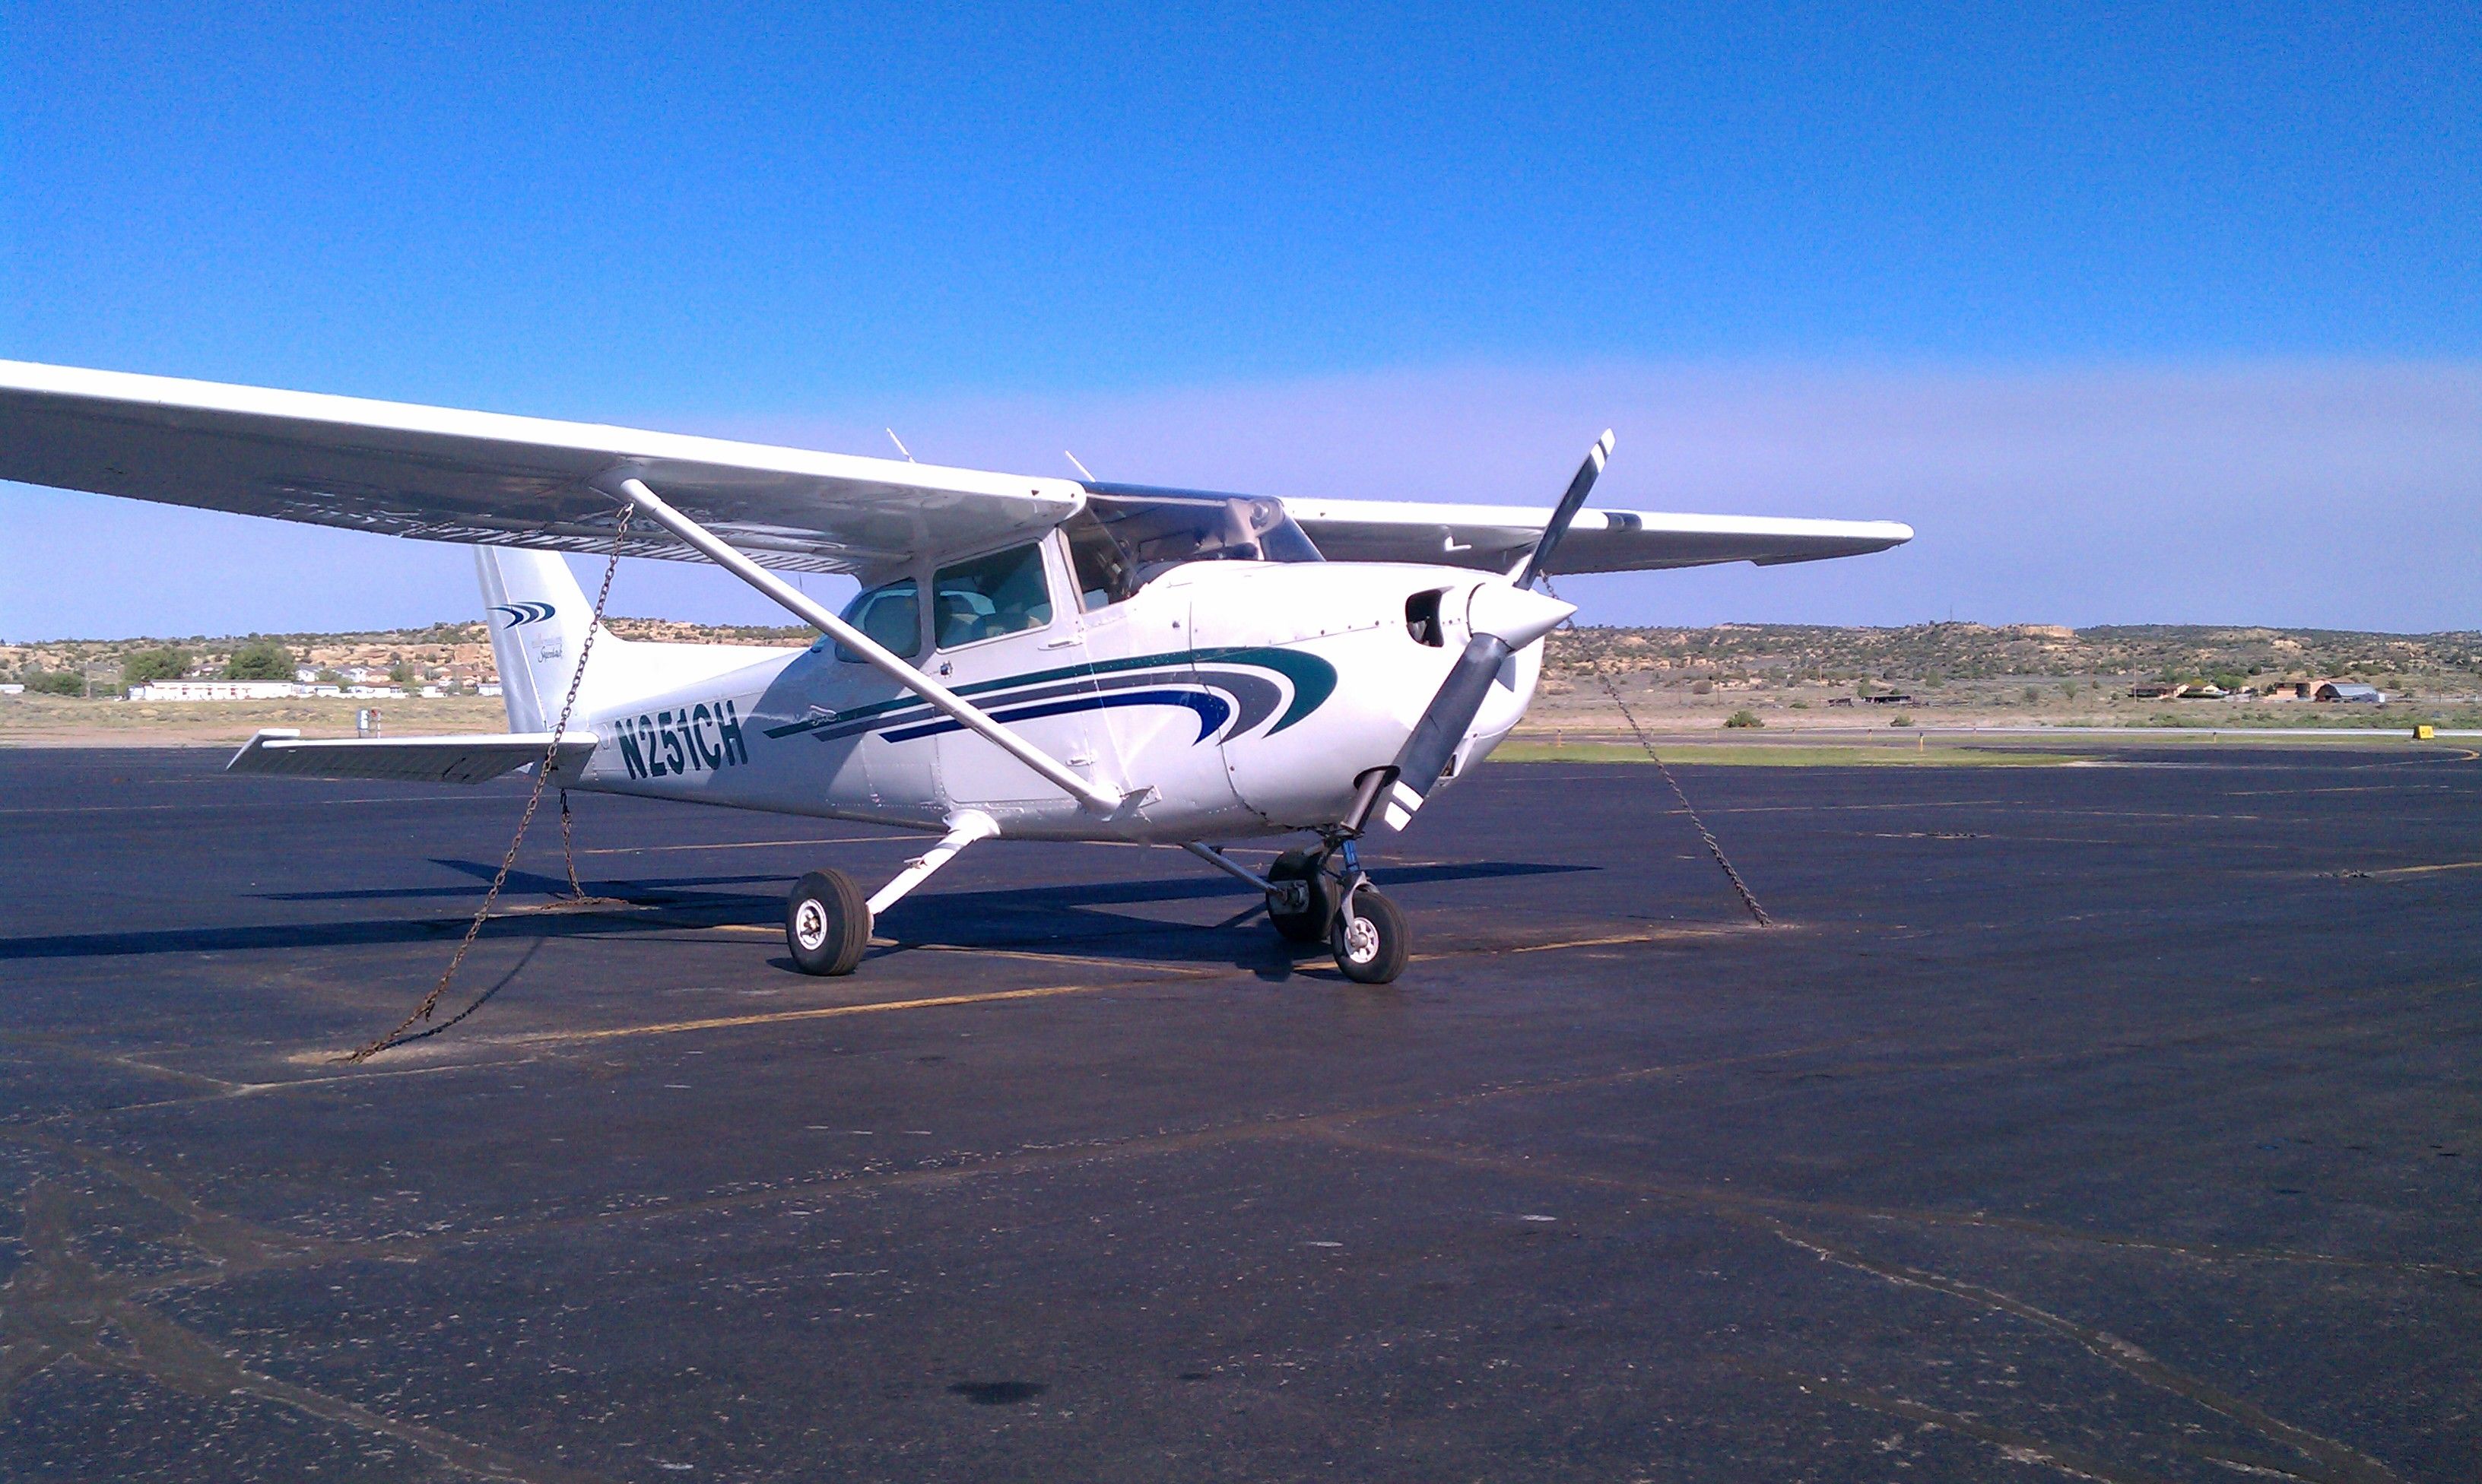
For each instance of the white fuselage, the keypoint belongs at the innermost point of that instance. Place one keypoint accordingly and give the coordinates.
(1224, 699)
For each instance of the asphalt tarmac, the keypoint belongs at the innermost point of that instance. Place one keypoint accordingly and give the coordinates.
(2117, 1122)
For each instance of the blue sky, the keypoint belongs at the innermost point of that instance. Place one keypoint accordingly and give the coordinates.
(1883, 253)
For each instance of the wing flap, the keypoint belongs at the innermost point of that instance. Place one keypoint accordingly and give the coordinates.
(476, 759)
(1496, 537)
(487, 478)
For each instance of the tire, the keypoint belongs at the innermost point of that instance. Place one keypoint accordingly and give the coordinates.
(1309, 925)
(827, 924)
(1374, 948)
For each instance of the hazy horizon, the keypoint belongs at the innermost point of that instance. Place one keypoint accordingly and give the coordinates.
(2295, 494)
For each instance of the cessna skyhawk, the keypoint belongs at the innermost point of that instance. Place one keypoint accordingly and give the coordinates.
(1029, 658)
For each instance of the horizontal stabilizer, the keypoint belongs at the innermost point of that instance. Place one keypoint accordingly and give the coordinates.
(285, 754)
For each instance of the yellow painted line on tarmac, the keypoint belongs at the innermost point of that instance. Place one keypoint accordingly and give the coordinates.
(2423, 871)
(1038, 955)
(1158, 978)
(754, 845)
(782, 1017)
(1045, 956)
(1617, 940)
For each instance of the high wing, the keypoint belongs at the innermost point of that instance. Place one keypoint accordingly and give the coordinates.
(1496, 537)
(478, 759)
(487, 478)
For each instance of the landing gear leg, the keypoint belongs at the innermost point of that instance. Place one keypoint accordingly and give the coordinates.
(827, 924)
(1369, 934)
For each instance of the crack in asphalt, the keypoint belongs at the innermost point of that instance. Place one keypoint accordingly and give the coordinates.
(2340, 1463)
(2023, 1448)
(60, 1307)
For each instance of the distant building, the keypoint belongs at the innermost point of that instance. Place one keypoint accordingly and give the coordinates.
(13, 687)
(2350, 693)
(217, 691)
(488, 687)
(1891, 698)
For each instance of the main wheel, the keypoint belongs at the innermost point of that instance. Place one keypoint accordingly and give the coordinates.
(827, 923)
(1309, 923)
(1372, 945)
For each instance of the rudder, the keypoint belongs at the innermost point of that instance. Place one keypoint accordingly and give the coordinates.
(539, 618)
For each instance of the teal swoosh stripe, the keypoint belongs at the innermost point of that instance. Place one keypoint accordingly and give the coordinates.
(1312, 678)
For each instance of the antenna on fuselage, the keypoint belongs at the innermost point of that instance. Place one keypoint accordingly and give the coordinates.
(1088, 474)
(900, 444)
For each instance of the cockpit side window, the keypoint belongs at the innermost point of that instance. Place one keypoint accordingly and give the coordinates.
(1101, 568)
(989, 596)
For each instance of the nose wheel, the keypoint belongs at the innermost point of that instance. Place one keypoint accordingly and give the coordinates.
(827, 924)
(1308, 903)
(1369, 938)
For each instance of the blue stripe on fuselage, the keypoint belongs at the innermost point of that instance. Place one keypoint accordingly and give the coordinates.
(1212, 710)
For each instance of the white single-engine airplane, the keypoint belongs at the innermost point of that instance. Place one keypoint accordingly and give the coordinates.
(1029, 658)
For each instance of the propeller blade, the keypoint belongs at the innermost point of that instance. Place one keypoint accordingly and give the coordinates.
(1569, 505)
(1504, 620)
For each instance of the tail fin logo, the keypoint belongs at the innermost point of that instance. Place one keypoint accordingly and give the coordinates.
(524, 612)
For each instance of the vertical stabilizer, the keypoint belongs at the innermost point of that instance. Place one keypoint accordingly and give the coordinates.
(539, 618)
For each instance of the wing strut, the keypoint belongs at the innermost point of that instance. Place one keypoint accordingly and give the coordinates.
(628, 486)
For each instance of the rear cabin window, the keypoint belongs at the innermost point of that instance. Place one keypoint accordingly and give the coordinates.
(891, 615)
(988, 597)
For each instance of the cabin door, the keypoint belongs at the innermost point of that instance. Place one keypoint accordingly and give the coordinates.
(1007, 637)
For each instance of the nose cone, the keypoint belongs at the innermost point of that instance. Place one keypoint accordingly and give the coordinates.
(1516, 616)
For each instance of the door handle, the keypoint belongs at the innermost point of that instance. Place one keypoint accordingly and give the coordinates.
(1062, 643)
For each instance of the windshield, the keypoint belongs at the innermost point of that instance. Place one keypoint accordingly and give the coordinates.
(1118, 543)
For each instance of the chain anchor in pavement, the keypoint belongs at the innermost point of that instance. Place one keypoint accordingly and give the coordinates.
(1714, 847)
(534, 801)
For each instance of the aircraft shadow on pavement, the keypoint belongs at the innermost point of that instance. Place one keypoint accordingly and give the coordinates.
(534, 883)
(1075, 916)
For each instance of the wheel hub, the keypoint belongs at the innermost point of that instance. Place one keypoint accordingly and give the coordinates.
(811, 924)
(1360, 940)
